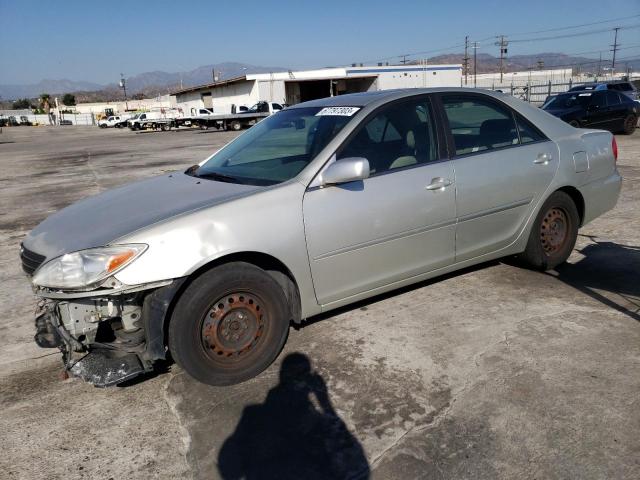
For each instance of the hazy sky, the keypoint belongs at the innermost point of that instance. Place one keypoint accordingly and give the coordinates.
(96, 40)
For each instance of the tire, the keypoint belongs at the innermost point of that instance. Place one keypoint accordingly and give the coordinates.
(629, 125)
(235, 126)
(574, 124)
(553, 234)
(165, 127)
(229, 324)
(102, 125)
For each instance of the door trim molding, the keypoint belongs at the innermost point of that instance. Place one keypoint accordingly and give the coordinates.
(389, 238)
(501, 208)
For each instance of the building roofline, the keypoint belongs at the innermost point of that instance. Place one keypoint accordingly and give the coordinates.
(210, 85)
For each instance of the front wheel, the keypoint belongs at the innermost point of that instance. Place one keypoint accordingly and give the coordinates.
(574, 124)
(629, 125)
(235, 125)
(229, 324)
(553, 234)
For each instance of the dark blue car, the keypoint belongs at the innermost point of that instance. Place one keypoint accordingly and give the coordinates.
(605, 109)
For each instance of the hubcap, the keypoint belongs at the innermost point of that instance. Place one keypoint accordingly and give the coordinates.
(553, 230)
(233, 325)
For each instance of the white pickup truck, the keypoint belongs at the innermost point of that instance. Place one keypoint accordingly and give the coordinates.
(117, 121)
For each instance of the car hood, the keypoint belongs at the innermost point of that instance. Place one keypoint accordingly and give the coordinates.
(101, 219)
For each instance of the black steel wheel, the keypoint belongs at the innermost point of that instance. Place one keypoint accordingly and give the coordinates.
(229, 324)
(553, 234)
(629, 125)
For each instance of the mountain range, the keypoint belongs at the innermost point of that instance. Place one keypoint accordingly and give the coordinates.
(154, 83)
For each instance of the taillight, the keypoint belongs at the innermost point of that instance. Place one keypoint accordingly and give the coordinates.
(614, 148)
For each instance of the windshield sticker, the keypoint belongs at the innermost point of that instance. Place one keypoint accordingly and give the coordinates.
(584, 94)
(338, 111)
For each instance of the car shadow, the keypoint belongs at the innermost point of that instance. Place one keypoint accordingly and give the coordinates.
(609, 273)
(294, 434)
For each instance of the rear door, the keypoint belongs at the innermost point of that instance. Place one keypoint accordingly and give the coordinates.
(396, 224)
(617, 109)
(503, 166)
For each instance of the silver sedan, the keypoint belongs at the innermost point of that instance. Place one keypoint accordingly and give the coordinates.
(320, 205)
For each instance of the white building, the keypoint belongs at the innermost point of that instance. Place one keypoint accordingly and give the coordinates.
(300, 86)
(145, 104)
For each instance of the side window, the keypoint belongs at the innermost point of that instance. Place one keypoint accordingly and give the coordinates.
(528, 133)
(401, 135)
(479, 124)
(599, 100)
(276, 106)
(613, 98)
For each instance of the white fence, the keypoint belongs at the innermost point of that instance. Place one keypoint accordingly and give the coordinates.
(44, 119)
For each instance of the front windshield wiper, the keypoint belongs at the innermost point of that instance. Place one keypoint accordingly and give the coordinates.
(218, 176)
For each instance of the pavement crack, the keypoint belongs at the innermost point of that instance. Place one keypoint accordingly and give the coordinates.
(172, 402)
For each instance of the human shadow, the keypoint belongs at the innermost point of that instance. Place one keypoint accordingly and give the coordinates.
(295, 434)
(609, 273)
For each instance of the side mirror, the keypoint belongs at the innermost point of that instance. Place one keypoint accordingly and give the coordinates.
(346, 170)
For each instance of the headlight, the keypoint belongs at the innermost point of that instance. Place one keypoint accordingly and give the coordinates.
(87, 267)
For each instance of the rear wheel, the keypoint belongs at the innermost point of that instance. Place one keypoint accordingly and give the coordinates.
(229, 324)
(554, 233)
(235, 125)
(629, 125)
(574, 123)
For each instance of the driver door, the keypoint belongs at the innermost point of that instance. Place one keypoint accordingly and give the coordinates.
(396, 224)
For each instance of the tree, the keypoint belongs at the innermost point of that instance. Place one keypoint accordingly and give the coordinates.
(22, 104)
(69, 99)
(45, 102)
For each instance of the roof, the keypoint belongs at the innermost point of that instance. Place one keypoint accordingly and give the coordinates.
(195, 88)
(365, 98)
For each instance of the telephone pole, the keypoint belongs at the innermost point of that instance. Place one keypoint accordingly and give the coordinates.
(404, 60)
(502, 43)
(475, 64)
(615, 48)
(465, 60)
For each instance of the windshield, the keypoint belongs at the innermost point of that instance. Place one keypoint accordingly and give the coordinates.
(276, 149)
(568, 100)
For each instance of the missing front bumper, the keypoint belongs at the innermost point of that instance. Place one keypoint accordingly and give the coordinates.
(68, 324)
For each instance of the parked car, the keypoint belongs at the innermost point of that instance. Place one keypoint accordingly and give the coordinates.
(321, 205)
(626, 88)
(25, 122)
(606, 109)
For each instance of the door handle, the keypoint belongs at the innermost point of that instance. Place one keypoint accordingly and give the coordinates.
(543, 159)
(438, 184)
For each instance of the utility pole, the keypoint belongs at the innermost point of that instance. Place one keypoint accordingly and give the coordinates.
(475, 64)
(123, 85)
(502, 43)
(404, 60)
(615, 48)
(599, 66)
(465, 60)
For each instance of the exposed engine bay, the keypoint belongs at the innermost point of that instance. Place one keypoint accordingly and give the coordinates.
(105, 340)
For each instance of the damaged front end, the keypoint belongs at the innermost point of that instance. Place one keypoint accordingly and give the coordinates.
(106, 337)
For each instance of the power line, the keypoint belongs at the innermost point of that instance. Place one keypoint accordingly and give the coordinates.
(569, 35)
(574, 26)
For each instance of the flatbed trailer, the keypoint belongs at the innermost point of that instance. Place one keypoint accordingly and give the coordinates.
(232, 121)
